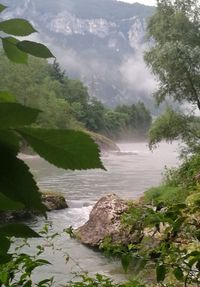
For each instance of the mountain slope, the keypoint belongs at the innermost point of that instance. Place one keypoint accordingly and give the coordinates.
(99, 41)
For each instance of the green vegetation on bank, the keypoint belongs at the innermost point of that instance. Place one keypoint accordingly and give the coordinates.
(168, 219)
(65, 103)
(178, 183)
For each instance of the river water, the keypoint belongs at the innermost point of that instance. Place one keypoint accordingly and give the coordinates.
(129, 173)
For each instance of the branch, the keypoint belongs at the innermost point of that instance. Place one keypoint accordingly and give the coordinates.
(193, 89)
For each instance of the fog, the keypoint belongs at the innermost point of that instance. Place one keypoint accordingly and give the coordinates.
(136, 75)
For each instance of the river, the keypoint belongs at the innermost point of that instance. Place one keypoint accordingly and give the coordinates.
(129, 173)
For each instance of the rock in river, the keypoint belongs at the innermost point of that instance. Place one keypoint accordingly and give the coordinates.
(105, 221)
(53, 201)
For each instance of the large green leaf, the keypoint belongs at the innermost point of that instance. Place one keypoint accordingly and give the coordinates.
(11, 140)
(178, 273)
(126, 260)
(14, 115)
(18, 230)
(9, 204)
(67, 149)
(12, 52)
(6, 97)
(17, 27)
(5, 258)
(17, 182)
(2, 7)
(35, 49)
(4, 244)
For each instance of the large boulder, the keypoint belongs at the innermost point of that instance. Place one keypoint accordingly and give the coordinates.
(105, 222)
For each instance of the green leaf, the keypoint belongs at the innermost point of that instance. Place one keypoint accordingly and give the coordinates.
(66, 149)
(4, 245)
(5, 258)
(12, 52)
(17, 27)
(45, 282)
(160, 273)
(18, 231)
(35, 49)
(13, 115)
(178, 223)
(4, 277)
(9, 204)
(43, 262)
(2, 8)
(193, 253)
(178, 273)
(126, 260)
(17, 182)
(11, 140)
(6, 97)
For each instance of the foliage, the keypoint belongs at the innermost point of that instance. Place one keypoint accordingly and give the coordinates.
(174, 58)
(170, 244)
(168, 219)
(165, 195)
(173, 125)
(168, 126)
(102, 281)
(186, 175)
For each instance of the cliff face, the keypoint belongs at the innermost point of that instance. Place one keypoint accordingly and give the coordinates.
(100, 42)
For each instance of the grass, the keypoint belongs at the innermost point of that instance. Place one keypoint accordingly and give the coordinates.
(165, 194)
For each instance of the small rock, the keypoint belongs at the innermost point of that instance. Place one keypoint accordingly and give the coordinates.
(53, 201)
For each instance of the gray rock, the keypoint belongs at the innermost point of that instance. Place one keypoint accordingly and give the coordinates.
(105, 221)
(53, 201)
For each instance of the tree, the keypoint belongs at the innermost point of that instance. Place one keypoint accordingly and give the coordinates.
(174, 58)
(175, 54)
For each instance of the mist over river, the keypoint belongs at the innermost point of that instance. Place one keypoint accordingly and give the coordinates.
(129, 173)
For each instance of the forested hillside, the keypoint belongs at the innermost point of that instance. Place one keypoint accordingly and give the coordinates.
(66, 103)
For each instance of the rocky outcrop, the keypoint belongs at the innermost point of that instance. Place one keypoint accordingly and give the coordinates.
(53, 201)
(105, 221)
(105, 144)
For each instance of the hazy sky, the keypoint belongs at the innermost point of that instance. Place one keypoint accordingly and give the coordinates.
(146, 2)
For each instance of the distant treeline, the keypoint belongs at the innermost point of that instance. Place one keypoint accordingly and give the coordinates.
(66, 103)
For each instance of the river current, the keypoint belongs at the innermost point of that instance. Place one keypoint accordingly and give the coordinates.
(129, 173)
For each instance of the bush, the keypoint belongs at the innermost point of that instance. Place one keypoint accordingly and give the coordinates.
(186, 174)
(165, 194)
